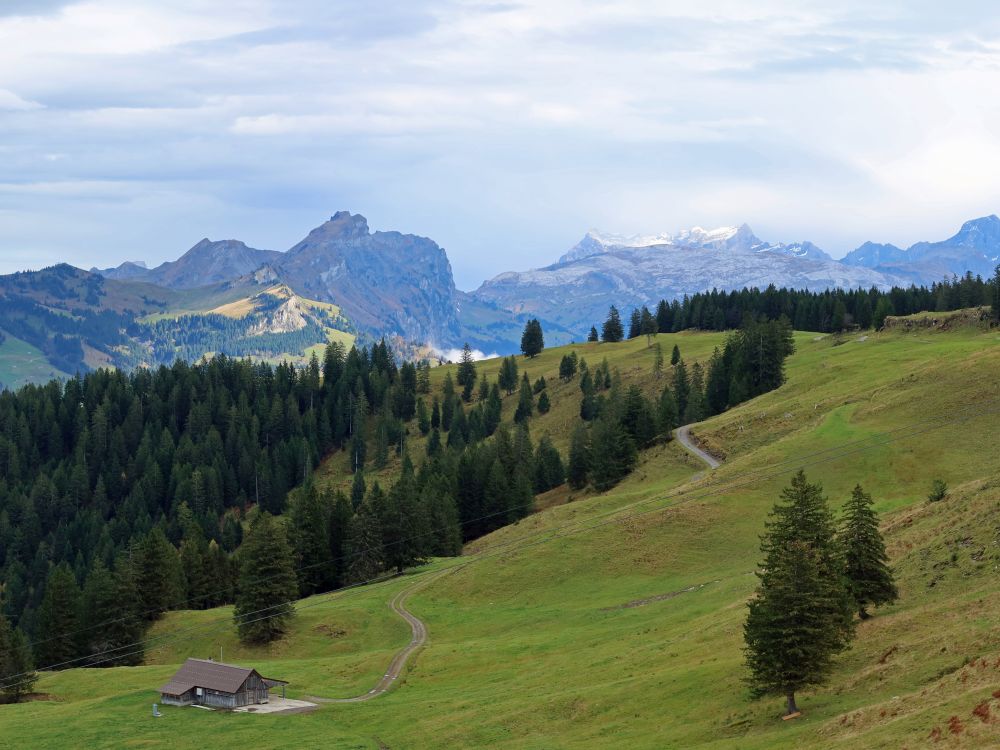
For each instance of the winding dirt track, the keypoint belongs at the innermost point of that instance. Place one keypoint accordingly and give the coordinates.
(419, 630)
(418, 638)
(684, 436)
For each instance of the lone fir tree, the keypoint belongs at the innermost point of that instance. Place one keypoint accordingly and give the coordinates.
(801, 616)
(532, 340)
(613, 331)
(869, 578)
(466, 369)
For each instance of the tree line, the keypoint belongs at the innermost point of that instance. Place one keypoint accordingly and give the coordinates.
(617, 422)
(828, 311)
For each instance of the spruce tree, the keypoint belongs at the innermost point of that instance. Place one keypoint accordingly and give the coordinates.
(695, 410)
(681, 390)
(267, 586)
(423, 418)
(543, 403)
(466, 375)
(58, 620)
(675, 355)
(667, 419)
(588, 404)
(532, 340)
(525, 401)
(96, 601)
(507, 379)
(578, 470)
(635, 324)
(567, 367)
(309, 532)
(613, 453)
(434, 444)
(128, 627)
(438, 499)
(549, 469)
(404, 521)
(358, 489)
(801, 616)
(663, 318)
(158, 573)
(365, 542)
(869, 578)
(883, 309)
(717, 385)
(613, 331)
(17, 671)
(340, 526)
(592, 336)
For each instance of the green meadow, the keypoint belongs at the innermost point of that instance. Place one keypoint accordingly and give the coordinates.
(615, 620)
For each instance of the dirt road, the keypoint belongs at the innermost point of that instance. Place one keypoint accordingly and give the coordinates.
(684, 436)
(418, 638)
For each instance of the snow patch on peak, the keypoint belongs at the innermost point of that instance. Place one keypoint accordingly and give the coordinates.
(596, 242)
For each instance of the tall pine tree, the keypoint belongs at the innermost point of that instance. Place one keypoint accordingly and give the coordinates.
(801, 616)
(267, 586)
(869, 578)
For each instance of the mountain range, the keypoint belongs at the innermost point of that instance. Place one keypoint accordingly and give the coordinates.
(343, 280)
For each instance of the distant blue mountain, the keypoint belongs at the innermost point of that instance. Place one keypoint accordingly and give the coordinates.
(975, 248)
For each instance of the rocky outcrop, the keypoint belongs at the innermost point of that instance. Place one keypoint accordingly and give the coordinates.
(288, 317)
(973, 317)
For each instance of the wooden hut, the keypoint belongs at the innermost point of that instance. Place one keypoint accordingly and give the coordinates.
(212, 683)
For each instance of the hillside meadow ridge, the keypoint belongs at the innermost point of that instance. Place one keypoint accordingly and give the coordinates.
(407, 375)
(616, 617)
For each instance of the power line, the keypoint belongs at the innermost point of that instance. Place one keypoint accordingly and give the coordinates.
(685, 496)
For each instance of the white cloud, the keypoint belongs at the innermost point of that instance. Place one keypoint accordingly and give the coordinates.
(502, 131)
(12, 102)
(455, 355)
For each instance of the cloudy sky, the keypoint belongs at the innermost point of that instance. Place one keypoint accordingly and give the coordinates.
(504, 130)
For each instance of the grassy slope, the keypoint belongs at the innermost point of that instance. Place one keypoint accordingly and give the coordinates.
(22, 363)
(532, 648)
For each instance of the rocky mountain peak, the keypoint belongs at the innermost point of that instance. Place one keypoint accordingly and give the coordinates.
(979, 233)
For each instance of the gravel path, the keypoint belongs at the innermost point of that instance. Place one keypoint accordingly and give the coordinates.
(418, 638)
(684, 436)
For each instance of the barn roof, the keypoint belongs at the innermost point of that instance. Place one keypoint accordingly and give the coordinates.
(212, 675)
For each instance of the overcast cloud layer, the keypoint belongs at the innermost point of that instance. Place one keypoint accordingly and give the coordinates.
(129, 130)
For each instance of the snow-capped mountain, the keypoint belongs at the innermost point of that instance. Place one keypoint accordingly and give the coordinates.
(604, 270)
(739, 238)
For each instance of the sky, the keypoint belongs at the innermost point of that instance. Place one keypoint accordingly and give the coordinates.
(130, 129)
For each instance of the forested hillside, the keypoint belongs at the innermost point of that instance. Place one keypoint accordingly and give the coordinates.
(139, 488)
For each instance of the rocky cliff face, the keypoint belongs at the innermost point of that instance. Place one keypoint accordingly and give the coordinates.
(385, 282)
